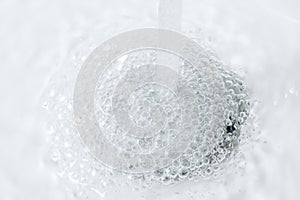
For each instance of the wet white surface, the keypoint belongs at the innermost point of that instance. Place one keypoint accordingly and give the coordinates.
(262, 38)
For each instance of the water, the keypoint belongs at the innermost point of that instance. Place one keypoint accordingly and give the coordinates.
(259, 39)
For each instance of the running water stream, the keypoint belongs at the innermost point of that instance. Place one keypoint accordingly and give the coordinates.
(259, 40)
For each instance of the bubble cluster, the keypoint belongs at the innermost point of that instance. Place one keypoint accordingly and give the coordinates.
(160, 117)
(144, 106)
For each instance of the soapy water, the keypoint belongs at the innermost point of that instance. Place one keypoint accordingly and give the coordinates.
(164, 118)
(261, 37)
